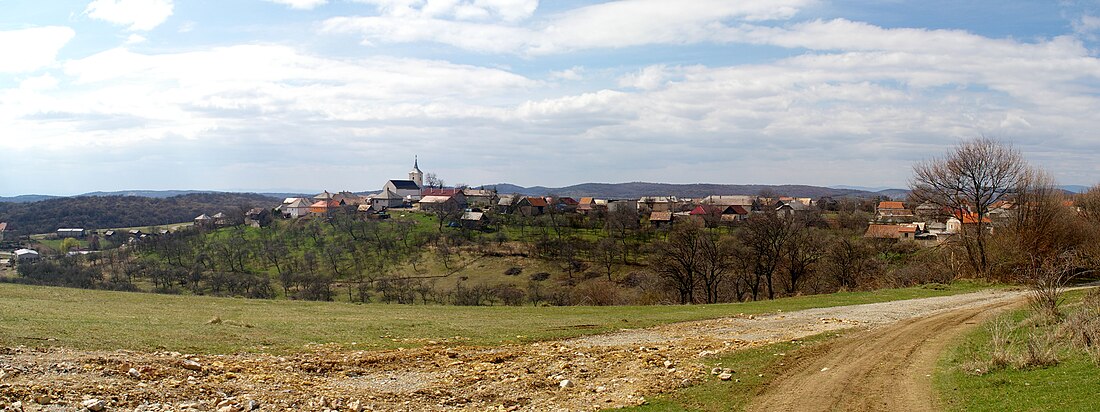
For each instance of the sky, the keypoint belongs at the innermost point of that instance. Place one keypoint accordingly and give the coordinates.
(311, 95)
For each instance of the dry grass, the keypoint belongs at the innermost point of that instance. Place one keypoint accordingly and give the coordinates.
(1040, 350)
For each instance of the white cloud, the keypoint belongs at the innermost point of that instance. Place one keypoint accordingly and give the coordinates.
(301, 4)
(498, 10)
(139, 15)
(614, 24)
(571, 74)
(28, 50)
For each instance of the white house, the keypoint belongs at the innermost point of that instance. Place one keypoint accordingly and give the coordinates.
(298, 207)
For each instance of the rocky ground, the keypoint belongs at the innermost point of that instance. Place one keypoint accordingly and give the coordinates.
(590, 373)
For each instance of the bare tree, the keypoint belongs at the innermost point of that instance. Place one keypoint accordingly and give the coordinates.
(433, 180)
(765, 237)
(970, 178)
(678, 260)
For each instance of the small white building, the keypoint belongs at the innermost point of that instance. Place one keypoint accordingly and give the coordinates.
(26, 255)
(297, 207)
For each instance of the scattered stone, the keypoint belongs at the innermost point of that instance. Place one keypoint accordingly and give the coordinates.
(214, 321)
(725, 376)
(43, 399)
(824, 369)
(353, 406)
(601, 389)
(565, 383)
(253, 404)
(668, 364)
(16, 406)
(134, 373)
(94, 405)
(191, 365)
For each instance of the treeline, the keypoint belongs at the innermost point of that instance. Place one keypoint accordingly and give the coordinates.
(99, 212)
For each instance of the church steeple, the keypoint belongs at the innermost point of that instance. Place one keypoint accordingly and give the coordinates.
(416, 175)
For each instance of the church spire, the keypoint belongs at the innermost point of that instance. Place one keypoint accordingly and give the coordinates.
(416, 175)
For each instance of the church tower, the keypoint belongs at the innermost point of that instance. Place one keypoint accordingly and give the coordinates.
(416, 175)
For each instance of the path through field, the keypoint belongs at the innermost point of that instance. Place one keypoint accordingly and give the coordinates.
(883, 369)
(590, 373)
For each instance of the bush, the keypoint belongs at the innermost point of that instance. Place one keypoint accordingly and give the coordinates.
(513, 271)
(539, 277)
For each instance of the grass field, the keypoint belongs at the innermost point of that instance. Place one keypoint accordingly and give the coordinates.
(47, 316)
(1071, 385)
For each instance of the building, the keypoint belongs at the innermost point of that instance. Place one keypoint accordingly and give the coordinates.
(473, 220)
(415, 175)
(202, 221)
(295, 207)
(905, 232)
(26, 255)
(67, 233)
(407, 190)
(660, 219)
(532, 206)
(452, 203)
(480, 197)
(791, 208)
(324, 208)
(385, 200)
(893, 212)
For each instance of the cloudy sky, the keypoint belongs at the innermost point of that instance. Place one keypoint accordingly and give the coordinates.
(305, 95)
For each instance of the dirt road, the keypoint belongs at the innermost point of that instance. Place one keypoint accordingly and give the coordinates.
(590, 373)
(885, 369)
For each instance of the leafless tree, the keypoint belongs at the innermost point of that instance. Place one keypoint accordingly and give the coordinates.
(678, 259)
(970, 178)
(765, 237)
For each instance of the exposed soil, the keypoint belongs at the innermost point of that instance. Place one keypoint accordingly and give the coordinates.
(883, 369)
(590, 373)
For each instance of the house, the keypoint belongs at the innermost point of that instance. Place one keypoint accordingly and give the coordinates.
(907, 232)
(473, 220)
(297, 207)
(532, 206)
(790, 208)
(962, 220)
(735, 213)
(26, 255)
(588, 205)
(660, 219)
(617, 205)
(323, 196)
(110, 234)
(324, 208)
(441, 191)
(220, 219)
(257, 217)
(347, 198)
(454, 202)
(658, 203)
(729, 200)
(67, 233)
(202, 221)
(893, 212)
(567, 204)
(480, 197)
(408, 190)
(385, 200)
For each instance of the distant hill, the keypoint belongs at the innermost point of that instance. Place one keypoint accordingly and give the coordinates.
(639, 189)
(26, 198)
(98, 212)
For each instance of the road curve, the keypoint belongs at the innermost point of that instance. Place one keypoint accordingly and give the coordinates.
(883, 369)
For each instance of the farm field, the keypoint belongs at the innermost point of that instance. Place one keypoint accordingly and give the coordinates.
(103, 320)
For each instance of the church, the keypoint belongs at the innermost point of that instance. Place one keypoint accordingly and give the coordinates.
(396, 193)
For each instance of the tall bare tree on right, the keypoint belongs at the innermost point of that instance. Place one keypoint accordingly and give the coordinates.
(967, 181)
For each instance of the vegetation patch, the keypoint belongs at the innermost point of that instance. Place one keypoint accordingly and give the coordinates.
(89, 319)
(1025, 361)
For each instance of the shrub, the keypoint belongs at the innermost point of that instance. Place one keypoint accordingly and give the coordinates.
(539, 277)
(1041, 351)
(513, 271)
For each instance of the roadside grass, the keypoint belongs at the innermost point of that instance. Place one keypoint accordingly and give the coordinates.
(84, 319)
(753, 369)
(1070, 385)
